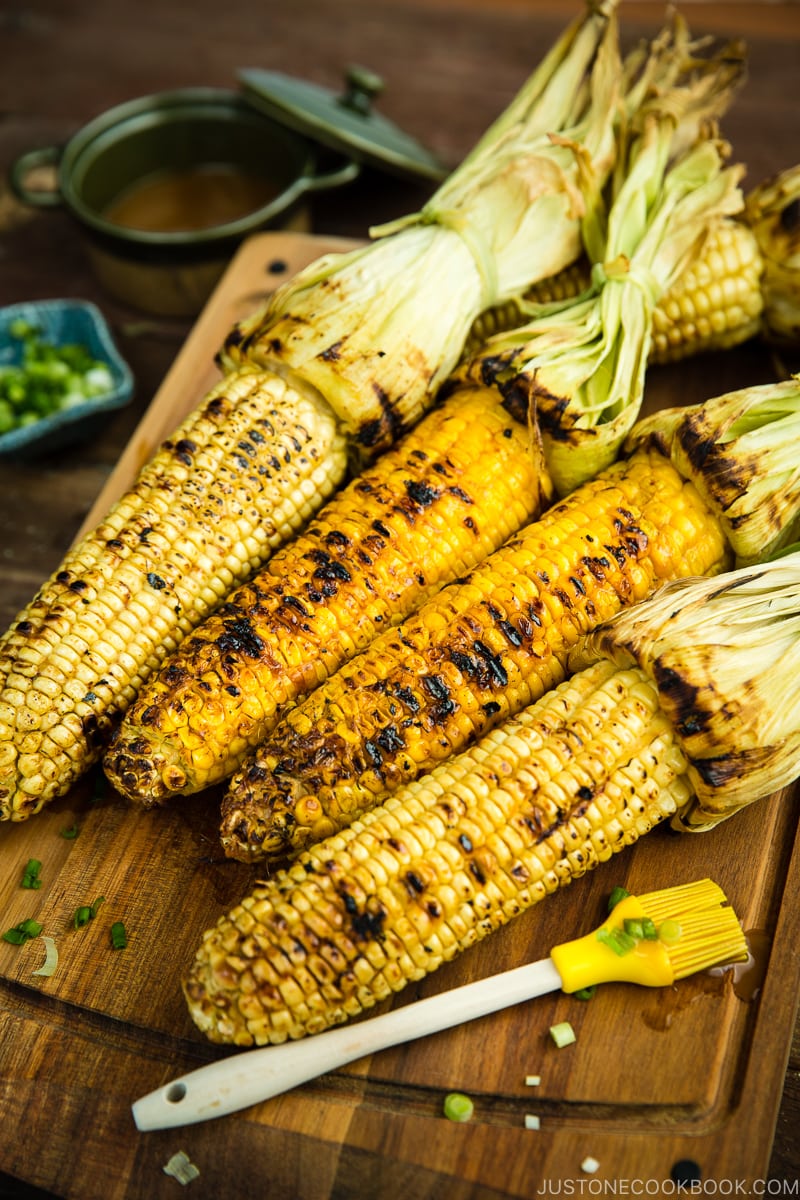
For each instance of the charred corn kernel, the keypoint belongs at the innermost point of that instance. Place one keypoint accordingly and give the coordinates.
(455, 489)
(481, 650)
(238, 478)
(716, 303)
(437, 867)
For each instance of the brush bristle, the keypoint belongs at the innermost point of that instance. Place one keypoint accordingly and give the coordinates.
(710, 932)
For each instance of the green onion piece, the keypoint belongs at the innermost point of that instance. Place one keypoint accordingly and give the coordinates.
(669, 931)
(585, 993)
(617, 894)
(22, 932)
(458, 1107)
(633, 926)
(119, 938)
(649, 931)
(93, 910)
(562, 1034)
(30, 876)
(83, 916)
(70, 832)
(617, 940)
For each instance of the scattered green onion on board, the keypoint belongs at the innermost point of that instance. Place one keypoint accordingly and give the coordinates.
(562, 1034)
(48, 378)
(22, 932)
(119, 938)
(458, 1107)
(86, 913)
(30, 876)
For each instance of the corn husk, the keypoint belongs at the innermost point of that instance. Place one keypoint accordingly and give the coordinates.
(740, 451)
(724, 654)
(773, 212)
(581, 364)
(376, 330)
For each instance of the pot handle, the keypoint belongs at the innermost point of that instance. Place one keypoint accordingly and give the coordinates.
(344, 174)
(21, 167)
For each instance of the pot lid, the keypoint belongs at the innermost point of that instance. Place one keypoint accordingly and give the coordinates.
(346, 122)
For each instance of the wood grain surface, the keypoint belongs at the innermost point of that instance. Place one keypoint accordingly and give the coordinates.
(697, 1073)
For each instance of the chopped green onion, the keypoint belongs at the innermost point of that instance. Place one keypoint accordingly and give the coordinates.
(562, 1034)
(634, 927)
(83, 916)
(617, 940)
(458, 1107)
(669, 931)
(50, 959)
(533, 1080)
(22, 932)
(617, 894)
(649, 931)
(119, 938)
(30, 876)
(585, 993)
(96, 905)
(532, 1121)
(70, 832)
(47, 378)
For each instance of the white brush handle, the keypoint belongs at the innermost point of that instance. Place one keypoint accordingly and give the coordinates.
(234, 1083)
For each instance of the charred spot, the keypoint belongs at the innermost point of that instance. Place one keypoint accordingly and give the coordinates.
(525, 627)
(369, 925)
(407, 697)
(232, 689)
(255, 435)
(91, 729)
(414, 883)
(79, 585)
(561, 595)
(115, 543)
(314, 594)
(460, 494)
(585, 793)
(597, 566)
(420, 454)
(184, 450)
(337, 538)
(516, 397)
(421, 493)
(433, 909)
(349, 903)
(296, 604)
(390, 739)
(204, 685)
(436, 687)
(63, 576)
(156, 581)
(274, 462)
(636, 541)
(491, 708)
(475, 869)
(255, 773)
(534, 609)
(576, 583)
(145, 533)
(493, 663)
(717, 772)
(333, 353)
(618, 554)
(240, 637)
(681, 693)
(465, 843)
(380, 528)
(90, 698)
(510, 632)
(24, 627)
(493, 611)
(466, 664)
(373, 752)
(333, 570)
(507, 433)
(519, 871)
(247, 448)
(545, 578)
(214, 409)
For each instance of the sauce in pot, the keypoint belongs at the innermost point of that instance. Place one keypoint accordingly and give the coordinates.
(190, 199)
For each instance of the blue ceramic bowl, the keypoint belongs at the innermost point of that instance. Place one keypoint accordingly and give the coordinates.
(60, 322)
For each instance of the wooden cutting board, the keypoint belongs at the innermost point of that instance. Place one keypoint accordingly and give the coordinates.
(690, 1074)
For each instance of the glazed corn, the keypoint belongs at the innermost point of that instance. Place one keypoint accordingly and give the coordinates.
(239, 477)
(456, 487)
(701, 483)
(715, 304)
(686, 714)
(479, 651)
(539, 801)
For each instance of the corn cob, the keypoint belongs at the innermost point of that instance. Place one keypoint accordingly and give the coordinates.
(452, 492)
(542, 799)
(700, 483)
(716, 303)
(773, 211)
(660, 719)
(239, 477)
(479, 651)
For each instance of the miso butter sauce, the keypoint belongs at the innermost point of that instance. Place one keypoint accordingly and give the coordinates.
(190, 199)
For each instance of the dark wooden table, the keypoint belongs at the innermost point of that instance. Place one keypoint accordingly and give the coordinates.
(449, 67)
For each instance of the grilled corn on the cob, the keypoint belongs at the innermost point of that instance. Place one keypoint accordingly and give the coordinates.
(456, 487)
(585, 771)
(539, 801)
(488, 645)
(482, 649)
(240, 476)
